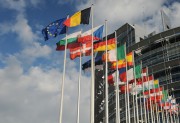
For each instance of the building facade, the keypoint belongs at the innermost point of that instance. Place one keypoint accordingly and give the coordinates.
(159, 52)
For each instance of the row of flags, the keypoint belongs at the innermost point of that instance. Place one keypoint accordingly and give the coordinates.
(133, 78)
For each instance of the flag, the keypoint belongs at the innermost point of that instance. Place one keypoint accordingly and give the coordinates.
(111, 56)
(155, 90)
(165, 95)
(166, 21)
(130, 74)
(144, 74)
(136, 89)
(70, 38)
(80, 17)
(151, 92)
(98, 64)
(54, 29)
(138, 71)
(120, 52)
(112, 78)
(97, 34)
(69, 46)
(164, 104)
(149, 84)
(101, 45)
(84, 50)
(156, 83)
(121, 64)
(122, 74)
(155, 99)
(129, 58)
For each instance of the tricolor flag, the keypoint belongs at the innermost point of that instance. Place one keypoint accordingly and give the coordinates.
(54, 29)
(80, 17)
(111, 55)
(97, 34)
(101, 45)
(70, 38)
(84, 50)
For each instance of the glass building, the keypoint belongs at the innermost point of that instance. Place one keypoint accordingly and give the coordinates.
(159, 52)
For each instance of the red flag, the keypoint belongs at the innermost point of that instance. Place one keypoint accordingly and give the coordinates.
(111, 78)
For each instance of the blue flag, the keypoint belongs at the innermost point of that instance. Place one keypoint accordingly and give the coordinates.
(99, 32)
(54, 29)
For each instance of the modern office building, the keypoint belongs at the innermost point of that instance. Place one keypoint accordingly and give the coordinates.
(159, 52)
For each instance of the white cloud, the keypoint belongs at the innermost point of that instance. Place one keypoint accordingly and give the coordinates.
(17, 5)
(31, 47)
(35, 94)
(119, 12)
(23, 30)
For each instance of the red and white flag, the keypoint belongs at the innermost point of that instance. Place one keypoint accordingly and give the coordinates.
(84, 50)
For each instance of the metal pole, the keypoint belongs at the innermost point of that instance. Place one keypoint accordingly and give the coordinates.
(127, 89)
(137, 111)
(92, 71)
(106, 81)
(117, 85)
(63, 79)
(134, 108)
(157, 119)
(79, 88)
(125, 99)
(144, 103)
(142, 120)
(150, 98)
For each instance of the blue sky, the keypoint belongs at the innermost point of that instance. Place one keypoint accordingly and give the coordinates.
(31, 69)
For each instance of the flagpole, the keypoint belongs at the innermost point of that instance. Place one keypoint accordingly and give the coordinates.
(157, 119)
(142, 120)
(134, 108)
(145, 116)
(106, 80)
(137, 111)
(125, 99)
(79, 86)
(127, 88)
(63, 78)
(117, 85)
(92, 70)
(150, 96)
(162, 113)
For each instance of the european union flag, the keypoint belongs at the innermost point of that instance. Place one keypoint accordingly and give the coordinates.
(53, 29)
